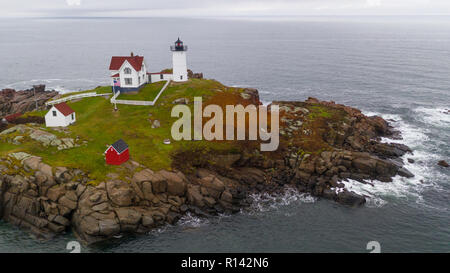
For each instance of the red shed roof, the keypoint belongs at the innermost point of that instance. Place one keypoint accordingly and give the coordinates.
(115, 75)
(135, 61)
(12, 117)
(64, 108)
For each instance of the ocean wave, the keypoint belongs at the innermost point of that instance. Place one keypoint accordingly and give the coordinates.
(263, 202)
(438, 117)
(423, 168)
(191, 221)
(60, 85)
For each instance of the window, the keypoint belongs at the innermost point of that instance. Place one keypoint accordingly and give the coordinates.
(181, 77)
(73, 116)
(127, 70)
(54, 113)
(161, 76)
(128, 81)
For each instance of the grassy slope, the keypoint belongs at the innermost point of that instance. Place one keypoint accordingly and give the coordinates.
(148, 92)
(100, 125)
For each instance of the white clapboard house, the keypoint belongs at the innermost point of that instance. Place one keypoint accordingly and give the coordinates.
(60, 115)
(128, 73)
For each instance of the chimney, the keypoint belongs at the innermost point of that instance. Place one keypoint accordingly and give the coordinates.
(132, 54)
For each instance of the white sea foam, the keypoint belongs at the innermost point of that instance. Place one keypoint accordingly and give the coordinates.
(438, 117)
(379, 193)
(59, 85)
(192, 221)
(263, 202)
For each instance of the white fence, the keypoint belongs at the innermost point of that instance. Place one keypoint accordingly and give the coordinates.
(139, 102)
(78, 96)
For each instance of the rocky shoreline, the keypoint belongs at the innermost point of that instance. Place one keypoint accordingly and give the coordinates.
(317, 151)
(12, 101)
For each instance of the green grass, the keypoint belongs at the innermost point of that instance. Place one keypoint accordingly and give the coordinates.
(319, 111)
(147, 93)
(100, 125)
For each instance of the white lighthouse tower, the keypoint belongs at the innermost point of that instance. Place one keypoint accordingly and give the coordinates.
(179, 61)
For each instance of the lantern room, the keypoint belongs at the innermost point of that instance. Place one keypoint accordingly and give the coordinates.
(178, 46)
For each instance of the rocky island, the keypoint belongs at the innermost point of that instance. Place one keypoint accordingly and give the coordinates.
(54, 181)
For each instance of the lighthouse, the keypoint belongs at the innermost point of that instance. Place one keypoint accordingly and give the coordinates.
(179, 61)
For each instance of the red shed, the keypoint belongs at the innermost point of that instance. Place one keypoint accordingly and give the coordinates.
(117, 153)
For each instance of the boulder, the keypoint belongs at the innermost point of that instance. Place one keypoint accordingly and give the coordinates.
(147, 221)
(175, 183)
(195, 197)
(31, 163)
(404, 172)
(108, 227)
(128, 216)
(350, 199)
(156, 124)
(42, 137)
(443, 163)
(144, 175)
(120, 193)
(55, 192)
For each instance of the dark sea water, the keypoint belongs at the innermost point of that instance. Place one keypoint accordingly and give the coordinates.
(399, 69)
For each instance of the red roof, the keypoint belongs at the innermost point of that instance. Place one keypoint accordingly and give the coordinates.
(12, 117)
(115, 75)
(64, 108)
(157, 73)
(135, 61)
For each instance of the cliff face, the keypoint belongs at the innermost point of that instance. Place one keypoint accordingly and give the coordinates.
(321, 144)
(12, 101)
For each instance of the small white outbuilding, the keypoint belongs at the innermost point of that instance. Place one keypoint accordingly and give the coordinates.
(60, 115)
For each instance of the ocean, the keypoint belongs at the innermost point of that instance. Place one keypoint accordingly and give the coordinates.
(399, 69)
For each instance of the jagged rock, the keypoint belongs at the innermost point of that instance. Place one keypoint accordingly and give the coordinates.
(405, 173)
(61, 220)
(120, 193)
(128, 216)
(175, 183)
(55, 192)
(17, 140)
(43, 137)
(173, 217)
(144, 175)
(18, 128)
(443, 164)
(31, 163)
(147, 221)
(20, 156)
(12, 101)
(350, 199)
(195, 197)
(66, 202)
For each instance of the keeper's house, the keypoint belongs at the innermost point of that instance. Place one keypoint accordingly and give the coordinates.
(128, 73)
(60, 115)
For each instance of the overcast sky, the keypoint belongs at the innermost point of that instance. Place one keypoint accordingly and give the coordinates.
(211, 8)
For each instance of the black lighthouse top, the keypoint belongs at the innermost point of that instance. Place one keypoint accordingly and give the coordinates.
(178, 46)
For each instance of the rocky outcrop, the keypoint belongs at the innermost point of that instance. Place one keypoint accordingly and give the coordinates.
(321, 145)
(46, 200)
(29, 132)
(12, 101)
(192, 75)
